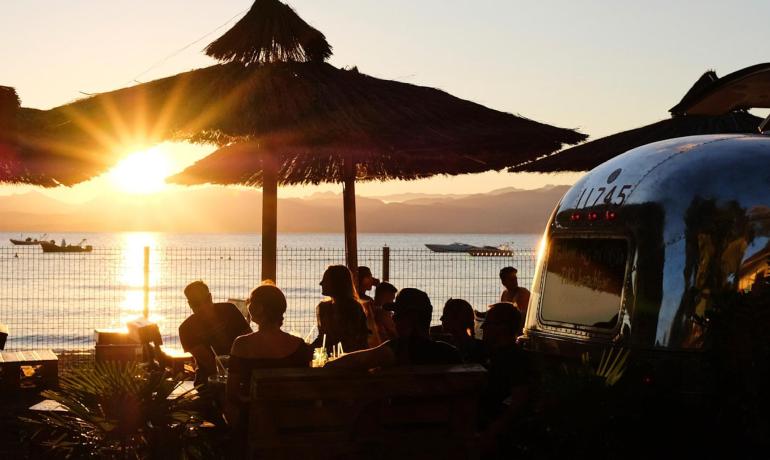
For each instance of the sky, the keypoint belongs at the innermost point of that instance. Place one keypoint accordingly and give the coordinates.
(597, 66)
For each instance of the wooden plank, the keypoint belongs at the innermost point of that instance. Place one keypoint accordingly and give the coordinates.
(48, 405)
(28, 357)
(414, 412)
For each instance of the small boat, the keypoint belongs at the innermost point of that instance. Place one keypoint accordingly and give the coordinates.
(504, 250)
(51, 246)
(28, 241)
(454, 247)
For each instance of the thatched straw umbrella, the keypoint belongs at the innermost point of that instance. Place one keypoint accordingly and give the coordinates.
(712, 106)
(285, 115)
(46, 147)
(9, 108)
(344, 126)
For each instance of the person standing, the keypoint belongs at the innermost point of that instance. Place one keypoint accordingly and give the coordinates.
(212, 328)
(514, 293)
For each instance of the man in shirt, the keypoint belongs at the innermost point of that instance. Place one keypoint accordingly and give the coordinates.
(412, 312)
(514, 293)
(211, 328)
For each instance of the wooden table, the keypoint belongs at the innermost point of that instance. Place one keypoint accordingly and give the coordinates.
(12, 361)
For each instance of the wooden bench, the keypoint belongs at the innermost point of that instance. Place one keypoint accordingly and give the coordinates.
(11, 363)
(401, 413)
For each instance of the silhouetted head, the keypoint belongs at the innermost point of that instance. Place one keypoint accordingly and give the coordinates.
(412, 312)
(337, 283)
(457, 318)
(385, 293)
(198, 296)
(509, 279)
(365, 279)
(267, 304)
(501, 325)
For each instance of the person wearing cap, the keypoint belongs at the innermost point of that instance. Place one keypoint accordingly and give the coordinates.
(366, 281)
(458, 328)
(508, 369)
(514, 293)
(412, 312)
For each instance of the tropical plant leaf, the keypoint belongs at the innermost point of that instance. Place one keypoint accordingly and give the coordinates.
(121, 410)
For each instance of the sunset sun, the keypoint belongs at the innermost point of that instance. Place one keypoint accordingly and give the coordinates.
(142, 172)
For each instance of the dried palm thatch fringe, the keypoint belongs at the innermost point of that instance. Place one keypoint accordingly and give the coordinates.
(591, 154)
(9, 106)
(271, 32)
(308, 114)
(706, 80)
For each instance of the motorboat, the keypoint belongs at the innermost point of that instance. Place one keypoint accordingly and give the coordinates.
(28, 241)
(51, 246)
(454, 247)
(503, 250)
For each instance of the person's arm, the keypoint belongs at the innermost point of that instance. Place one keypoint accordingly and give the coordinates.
(386, 320)
(524, 301)
(381, 356)
(204, 359)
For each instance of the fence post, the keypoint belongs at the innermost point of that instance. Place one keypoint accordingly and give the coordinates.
(146, 306)
(385, 263)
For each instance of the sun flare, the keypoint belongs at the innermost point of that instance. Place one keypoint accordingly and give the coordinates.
(142, 172)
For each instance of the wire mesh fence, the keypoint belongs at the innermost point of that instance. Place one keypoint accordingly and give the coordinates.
(51, 300)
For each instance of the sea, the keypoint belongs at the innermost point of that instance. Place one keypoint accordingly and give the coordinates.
(58, 301)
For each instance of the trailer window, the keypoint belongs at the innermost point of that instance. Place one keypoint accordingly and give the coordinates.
(584, 281)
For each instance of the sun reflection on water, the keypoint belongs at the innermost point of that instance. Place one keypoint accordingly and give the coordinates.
(132, 277)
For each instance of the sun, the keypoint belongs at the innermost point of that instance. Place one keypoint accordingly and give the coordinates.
(142, 172)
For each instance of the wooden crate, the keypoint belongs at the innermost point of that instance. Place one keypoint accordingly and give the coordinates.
(11, 363)
(403, 413)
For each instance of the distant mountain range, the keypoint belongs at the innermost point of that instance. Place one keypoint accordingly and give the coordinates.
(237, 210)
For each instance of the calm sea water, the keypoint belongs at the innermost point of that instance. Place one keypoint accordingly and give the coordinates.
(57, 300)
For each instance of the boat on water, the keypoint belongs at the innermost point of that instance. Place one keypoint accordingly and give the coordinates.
(28, 241)
(477, 251)
(454, 247)
(504, 250)
(51, 246)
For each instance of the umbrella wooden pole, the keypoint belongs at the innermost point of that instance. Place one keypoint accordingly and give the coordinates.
(269, 218)
(349, 211)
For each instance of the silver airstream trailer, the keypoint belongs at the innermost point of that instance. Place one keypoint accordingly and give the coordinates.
(664, 251)
(639, 250)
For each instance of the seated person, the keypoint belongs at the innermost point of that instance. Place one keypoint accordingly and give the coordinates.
(508, 366)
(267, 348)
(341, 317)
(366, 281)
(458, 328)
(378, 319)
(412, 313)
(211, 328)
